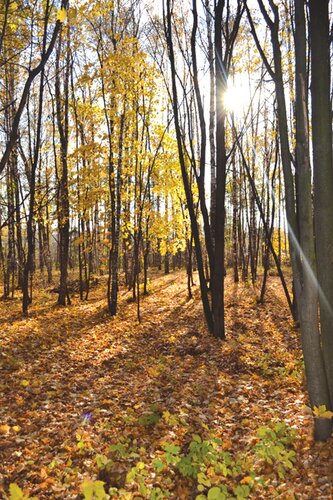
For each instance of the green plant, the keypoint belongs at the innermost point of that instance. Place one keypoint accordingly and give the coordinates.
(159, 493)
(242, 491)
(124, 449)
(200, 454)
(214, 471)
(94, 490)
(204, 461)
(150, 419)
(275, 446)
(83, 443)
(215, 493)
(102, 461)
(138, 473)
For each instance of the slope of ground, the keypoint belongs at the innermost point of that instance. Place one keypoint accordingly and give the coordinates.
(86, 397)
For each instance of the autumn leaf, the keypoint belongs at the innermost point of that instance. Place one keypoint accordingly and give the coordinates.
(247, 480)
(4, 429)
(61, 15)
(94, 490)
(321, 412)
(15, 493)
(88, 489)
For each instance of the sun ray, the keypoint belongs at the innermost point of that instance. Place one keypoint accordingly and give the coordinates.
(237, 97)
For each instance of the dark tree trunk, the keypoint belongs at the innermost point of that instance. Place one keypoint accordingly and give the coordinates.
(323, 173)
(187, 188)
(115, 194)
(277, 75)
(62, 105)
(221, 169)
(26, 90)
(29, 263)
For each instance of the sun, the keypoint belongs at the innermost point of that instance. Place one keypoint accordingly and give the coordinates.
(236, 97)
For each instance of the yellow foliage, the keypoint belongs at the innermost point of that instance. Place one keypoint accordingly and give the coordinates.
(61, 15)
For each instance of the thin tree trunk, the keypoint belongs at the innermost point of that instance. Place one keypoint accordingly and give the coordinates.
(25, 94)
(29, 263)
(277, 76)
(188, 193)
(63, 203)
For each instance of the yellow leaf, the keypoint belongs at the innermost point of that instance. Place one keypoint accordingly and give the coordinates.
(44, 473)
(327, 414)
(15, 492)
(166, 415)
(321, 412)
(247, 480)
(16, 428)
(4, 429)
(61, 15)
(13, 6)
(25, 383)
(153, 371)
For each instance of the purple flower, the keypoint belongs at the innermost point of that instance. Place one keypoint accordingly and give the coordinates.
(86, 417)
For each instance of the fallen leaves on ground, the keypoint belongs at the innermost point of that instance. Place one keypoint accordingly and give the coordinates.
(78, 387)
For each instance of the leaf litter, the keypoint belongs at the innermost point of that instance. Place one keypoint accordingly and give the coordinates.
(77, 385)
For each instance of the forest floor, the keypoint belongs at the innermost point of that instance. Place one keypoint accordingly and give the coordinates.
(158, 409)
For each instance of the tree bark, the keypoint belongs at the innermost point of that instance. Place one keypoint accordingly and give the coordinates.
(323, 173)
(62, 104)
(188, 193)
(277, 75)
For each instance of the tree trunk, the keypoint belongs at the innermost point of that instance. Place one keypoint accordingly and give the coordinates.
(323, 173)
(211, 58)
(277, 76)
(63, 202)
(235, 211)
(221, 167)
(187, 188)
(32, 75)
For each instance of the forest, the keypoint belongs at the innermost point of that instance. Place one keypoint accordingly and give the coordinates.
(166, 249)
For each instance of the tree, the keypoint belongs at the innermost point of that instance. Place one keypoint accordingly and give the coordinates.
(28, 265)
(185, 177)
(323, 173)
(300, 227)
(33, 73)
(223, 59)
(62, 113)
(214, 229)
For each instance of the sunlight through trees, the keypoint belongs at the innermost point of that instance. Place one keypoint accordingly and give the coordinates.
(142, 137)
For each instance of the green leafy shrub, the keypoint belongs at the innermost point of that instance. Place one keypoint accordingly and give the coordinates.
(152, 418)
(213, 471)
(275, 447)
